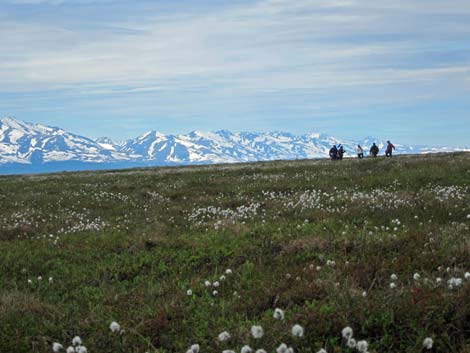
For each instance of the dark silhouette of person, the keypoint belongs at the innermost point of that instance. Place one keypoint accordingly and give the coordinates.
(333, 153)
(374, 150)
(340, 152)
(390, 148)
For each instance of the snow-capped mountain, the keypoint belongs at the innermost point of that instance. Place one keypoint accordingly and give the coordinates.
(27, 143)
(27, 147)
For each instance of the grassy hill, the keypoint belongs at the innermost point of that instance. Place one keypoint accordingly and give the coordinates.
(321, 240)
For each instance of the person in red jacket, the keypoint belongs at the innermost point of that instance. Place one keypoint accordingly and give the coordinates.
(390, 147)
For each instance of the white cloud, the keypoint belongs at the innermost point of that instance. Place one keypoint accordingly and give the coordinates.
(269, 45)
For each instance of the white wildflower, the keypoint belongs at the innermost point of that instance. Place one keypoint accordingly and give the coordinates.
(297, 331)
(362, 346)
(260, 351)
(257, 331)
(115, 327)
(246, 349)
(216, 284)
(39, 278)
(222, 278)
(214, 293)
(278, 314)
(393, 277)
(189, 292)
(282, 348)
(347, 332)
(351, 343)
(438, 280)
(81, 349)
(428, 342)
(56, 347)
(228, 271)
(393, 285)
(322, 351)
(207, 283)
(228, 351)
(364, 294)
(76, 341)
(30, 281)
(454, 282)
(51, 280)
(467, 275)
(224, 336)
(416, 276)
(70, 349)
(194, 348)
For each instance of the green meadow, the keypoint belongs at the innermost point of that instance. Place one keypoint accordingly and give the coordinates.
(178, 255)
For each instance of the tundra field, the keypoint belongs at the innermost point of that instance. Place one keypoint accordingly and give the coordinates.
(228, 256)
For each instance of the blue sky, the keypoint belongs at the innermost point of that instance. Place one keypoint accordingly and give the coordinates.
(351, 68)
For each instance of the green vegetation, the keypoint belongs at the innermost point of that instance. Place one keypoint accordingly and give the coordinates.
(318, 239)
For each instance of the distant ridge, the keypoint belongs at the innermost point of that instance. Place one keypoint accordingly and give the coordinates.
(27, 147)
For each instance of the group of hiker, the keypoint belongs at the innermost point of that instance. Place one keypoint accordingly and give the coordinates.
(337, 153)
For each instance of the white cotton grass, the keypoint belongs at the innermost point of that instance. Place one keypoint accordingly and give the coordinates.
(428, 342)
(454, 282)
(207, 283)
(467, 276)
(76, 347)
(195, 348)
(57, 347)
(189, 292)
(351, 343)
(393, 285)
(261, 350)
(257, 331)
(224, 336)
(362, 346)
(76, 341)
(347, 333)
(115, 327)
(323, 350)
(393, 277)
(246, 349)
(416, 276)
(282, 348)
(228, 351)
(228, 271)
(297, 331)
(278, 314)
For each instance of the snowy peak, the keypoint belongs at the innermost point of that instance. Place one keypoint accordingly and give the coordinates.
(28, 143)
(35, 145)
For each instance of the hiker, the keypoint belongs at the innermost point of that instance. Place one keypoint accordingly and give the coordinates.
(390, 147)
(340, 152)
(333, 153)
(374, 150)
(360, 152)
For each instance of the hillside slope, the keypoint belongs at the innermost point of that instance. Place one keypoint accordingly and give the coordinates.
(176, 256)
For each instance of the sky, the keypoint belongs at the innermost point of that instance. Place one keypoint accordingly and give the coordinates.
(396, 70)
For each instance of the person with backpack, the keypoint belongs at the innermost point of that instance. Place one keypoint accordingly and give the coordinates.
(360, 152)
(390, 147)
(374, 150)
(340, 152)
(333, 153)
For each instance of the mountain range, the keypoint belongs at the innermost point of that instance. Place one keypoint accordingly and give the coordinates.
(32, 148)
